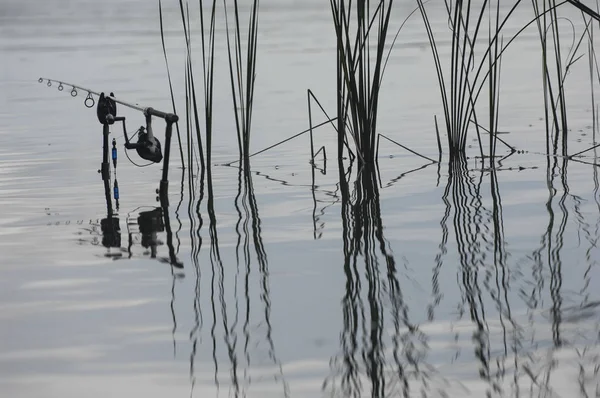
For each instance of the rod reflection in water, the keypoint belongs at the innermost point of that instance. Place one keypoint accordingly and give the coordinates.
(365, 363)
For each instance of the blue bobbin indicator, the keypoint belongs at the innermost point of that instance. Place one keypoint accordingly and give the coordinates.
(116, 190)
(114, 153)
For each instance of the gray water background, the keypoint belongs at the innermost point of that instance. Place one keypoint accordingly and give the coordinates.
(75, 322)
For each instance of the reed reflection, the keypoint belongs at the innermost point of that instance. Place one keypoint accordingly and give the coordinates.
(249, 233)
(508, 345)
(240, 300)
(561, 206)
(196, 189)
(567, 314)
(370, 360)
(482, 255)
(174, 275)
(553, 241)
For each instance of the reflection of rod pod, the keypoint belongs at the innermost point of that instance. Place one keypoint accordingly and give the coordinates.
(111, 232)
(150, 223)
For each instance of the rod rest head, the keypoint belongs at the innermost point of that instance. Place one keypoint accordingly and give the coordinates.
(169, 117)
(106, 106)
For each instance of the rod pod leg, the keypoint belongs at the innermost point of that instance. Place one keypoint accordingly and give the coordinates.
(164, 182)
(105, 169)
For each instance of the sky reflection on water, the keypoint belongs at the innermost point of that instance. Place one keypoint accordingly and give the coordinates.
(408, 280)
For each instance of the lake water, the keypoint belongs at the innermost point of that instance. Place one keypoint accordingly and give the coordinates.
(437, 281)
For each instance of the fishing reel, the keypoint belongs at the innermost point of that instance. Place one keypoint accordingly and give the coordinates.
(147, 146)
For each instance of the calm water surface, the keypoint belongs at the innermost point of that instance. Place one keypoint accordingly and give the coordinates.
(417, 281)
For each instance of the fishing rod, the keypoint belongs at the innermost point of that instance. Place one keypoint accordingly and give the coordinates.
(137, 107)
(148, 146)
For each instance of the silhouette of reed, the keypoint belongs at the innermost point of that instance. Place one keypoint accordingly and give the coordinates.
(164, 48)
(193, 113)
(467, 67)
(360, 70)
(552, 99)
(242, 70)
(554, 70)
(475, 63)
